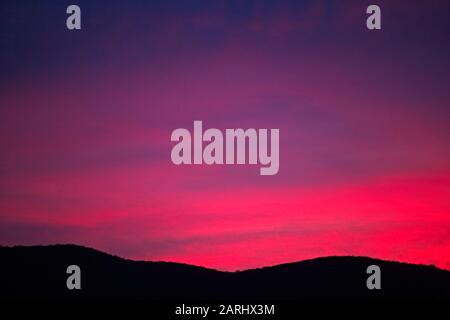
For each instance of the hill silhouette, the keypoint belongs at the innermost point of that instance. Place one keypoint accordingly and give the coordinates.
(40, 272)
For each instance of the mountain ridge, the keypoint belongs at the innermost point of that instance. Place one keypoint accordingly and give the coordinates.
(224, 271)
(40, 271)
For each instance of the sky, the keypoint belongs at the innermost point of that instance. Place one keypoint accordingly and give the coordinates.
(86, 118)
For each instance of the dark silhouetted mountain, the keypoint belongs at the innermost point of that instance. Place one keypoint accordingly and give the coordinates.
(40, 272)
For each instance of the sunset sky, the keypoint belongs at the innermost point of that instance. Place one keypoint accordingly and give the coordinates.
(86, 118)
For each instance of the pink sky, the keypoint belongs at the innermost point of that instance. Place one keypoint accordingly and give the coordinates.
(85, 128)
